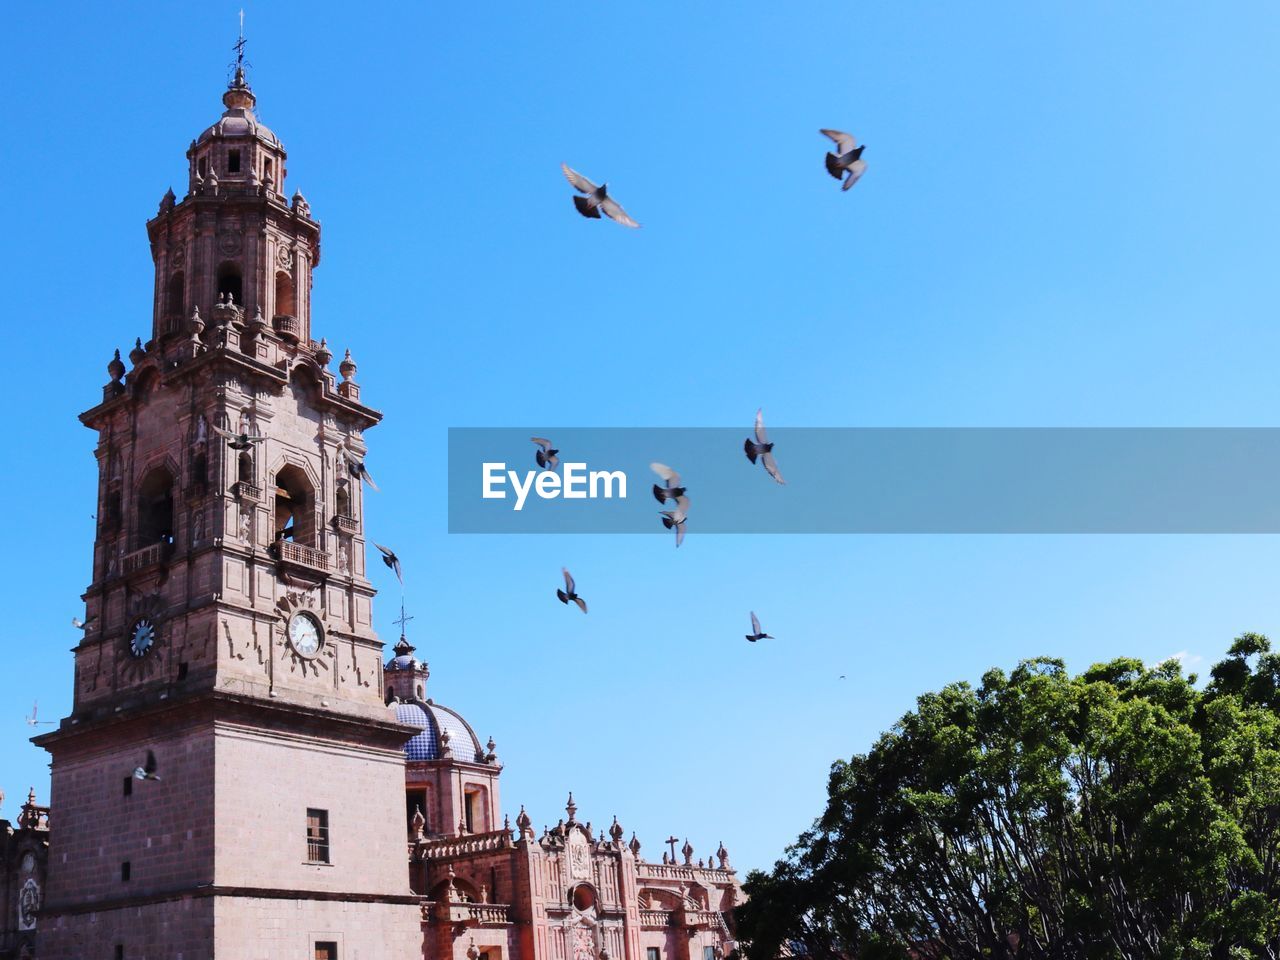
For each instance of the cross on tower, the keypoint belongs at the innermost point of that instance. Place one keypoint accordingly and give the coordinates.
(238, 47)
(403, 620)
(673, 841)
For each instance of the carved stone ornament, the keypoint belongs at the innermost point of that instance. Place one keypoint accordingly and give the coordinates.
(178, 255)
(28, 904)
(579, 857)
(229, 243)
(284, 258)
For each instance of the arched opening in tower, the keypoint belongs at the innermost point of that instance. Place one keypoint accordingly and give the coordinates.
(155, 508)
(295, 501)
(229, 282)
(285, 303)
(176, 305)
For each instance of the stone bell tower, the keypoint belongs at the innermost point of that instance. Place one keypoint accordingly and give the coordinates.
(229, 616)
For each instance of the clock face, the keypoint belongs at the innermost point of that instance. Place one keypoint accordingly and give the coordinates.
(143, 638)
(304, 634)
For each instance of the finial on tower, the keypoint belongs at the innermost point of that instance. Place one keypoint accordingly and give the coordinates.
(238, 95)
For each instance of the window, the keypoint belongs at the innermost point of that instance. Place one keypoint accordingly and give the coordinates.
(653, 953)
(229, 283)
(318, 841)
(201, 169)
(119, 951)
(125, 870)
(285, 305)
(155, 508)
(266, 171)
(473, 810)
(177, 294)
(414, 801)
(128, 786)
(233, 161)
(708, 953)
(326, 950)
(295, 513)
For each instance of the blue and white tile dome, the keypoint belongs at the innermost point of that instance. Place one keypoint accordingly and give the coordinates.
(432, 718)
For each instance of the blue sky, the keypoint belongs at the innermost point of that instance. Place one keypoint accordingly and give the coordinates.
(1069, 219)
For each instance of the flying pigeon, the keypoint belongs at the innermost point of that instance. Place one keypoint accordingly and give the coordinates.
(671, 523)
(391, 560)
(360, 471)
(238, 441)
(762, 448)
(568, 593)
(148, 770)
(596, 199)
(545, 456)
(847, 161)
(756, 633)
(83, 624)
(672, 490)
(32, 721)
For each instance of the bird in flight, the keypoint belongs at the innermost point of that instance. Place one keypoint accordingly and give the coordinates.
(545, 456)
(756, 633)
(391, 560)
(672, 490)
(32, 721)
(762, 448)
(148, 770)
(675, 519)
(238, 441)
(847, 164)
(570, 591)
(360, 471)
(83, 624)
(597, 199)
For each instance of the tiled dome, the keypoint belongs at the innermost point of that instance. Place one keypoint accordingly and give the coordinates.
(432, 718)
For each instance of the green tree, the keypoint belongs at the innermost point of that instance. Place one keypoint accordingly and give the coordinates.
(1121, 813)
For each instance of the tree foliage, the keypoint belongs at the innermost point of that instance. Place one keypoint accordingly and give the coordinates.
(1121, 813)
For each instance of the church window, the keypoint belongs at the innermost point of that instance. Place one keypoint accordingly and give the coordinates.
(229, 283)
(202, 167)
(244, 467)
(285, 305)
(128, 786)
(119, 951)
(177, 293)
(295, 516)
(652, 953)
(473, 809)
(233, 161)
(317, 836)
(584, 898)
(155, 508)
(126, 869)
(708, 953)
(266, 169)
(326, 950)
(344, 502)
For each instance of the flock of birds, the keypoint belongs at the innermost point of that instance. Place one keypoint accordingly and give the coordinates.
(758, 450)
(845, 164)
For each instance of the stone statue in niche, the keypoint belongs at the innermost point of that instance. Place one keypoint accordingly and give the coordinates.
(344, 560)
(246, 527)
(202, 429)
(197, 527)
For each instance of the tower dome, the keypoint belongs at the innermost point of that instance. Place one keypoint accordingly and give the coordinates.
(444, 733)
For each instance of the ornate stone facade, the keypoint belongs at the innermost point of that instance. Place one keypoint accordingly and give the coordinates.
(229, 631)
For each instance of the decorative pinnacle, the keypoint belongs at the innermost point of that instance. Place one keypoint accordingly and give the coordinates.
(571, 808)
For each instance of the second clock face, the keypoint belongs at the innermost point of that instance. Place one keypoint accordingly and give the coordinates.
(143, 638)
(304, 634)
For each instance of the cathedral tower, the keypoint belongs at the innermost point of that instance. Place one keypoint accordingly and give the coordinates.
(229, 617)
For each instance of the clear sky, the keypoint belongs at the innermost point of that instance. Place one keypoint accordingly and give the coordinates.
(1069, 218)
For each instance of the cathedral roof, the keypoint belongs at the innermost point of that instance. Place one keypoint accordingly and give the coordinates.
(436, 721)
